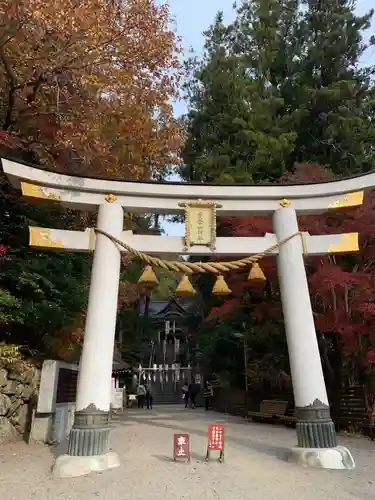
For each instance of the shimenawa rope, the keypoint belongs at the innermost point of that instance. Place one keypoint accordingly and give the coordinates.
(201, 267)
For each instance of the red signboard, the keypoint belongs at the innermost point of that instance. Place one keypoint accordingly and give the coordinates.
(181, 446)
(216, 437)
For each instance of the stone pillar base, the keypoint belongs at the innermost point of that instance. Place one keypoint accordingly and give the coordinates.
(87, 442)
(314, 426)
(322, 458)
(73, 466)
(90, 433)
(316, 434)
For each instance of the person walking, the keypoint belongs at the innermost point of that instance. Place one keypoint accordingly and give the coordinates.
(149, 397)
(185, 394)
(141, 392)
(208, 395)
(194, 390)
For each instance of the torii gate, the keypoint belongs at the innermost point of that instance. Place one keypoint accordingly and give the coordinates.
(89, 438)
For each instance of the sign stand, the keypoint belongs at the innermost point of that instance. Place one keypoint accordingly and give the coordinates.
(220, 459)
(181, 447)
(215, 441)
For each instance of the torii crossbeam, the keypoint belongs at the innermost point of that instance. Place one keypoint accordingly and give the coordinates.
(84, 241)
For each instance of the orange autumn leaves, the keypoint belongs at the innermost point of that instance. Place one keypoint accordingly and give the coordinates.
(88, 84)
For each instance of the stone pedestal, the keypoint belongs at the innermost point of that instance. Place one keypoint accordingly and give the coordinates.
(338, 457)
(73, 466)
(315, 429)
(88, 448)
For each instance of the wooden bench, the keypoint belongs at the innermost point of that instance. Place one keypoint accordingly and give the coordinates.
(269, 409)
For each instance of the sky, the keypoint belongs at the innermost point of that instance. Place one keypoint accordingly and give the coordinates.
(192, 18)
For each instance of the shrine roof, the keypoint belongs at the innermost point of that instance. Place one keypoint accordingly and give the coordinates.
(118, 364)
(161, 308)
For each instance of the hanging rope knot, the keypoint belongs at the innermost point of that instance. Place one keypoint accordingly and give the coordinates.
(304, 244)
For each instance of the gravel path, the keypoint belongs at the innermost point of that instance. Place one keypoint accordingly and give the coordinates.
(252, 469)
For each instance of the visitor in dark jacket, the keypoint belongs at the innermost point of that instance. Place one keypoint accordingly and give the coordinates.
(149, 397)
(208, 394)
(185, 394)
(194, 390)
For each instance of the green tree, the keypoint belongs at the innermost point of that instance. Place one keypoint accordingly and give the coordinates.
(235, 128)
(281, 85)
(334, 94)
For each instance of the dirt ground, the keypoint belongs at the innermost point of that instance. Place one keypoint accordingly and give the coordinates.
(253, 466)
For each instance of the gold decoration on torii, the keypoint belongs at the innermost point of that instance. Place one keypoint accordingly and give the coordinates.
(110, 198)
(285, 203)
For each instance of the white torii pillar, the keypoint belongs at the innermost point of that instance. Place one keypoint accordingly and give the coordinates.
(316, 435)
(88, 448)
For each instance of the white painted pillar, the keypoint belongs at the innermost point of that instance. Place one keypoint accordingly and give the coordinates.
(94, 381)
(304, 356)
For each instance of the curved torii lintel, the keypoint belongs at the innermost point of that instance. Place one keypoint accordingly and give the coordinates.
(88, 193)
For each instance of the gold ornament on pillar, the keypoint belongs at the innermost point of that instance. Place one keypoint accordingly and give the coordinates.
(220, 288)
(285, 203)
(185, 288)
(148, 277)
(110, 198)
(256, 273)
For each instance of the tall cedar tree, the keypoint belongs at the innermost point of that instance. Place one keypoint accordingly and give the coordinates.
(334, 91)
(235, 128)
(278, 86)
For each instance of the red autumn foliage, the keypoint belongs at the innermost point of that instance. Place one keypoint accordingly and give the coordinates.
(3, 250)
(342, 287)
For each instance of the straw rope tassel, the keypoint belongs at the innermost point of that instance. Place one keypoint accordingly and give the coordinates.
(92, 237)
(185, 288)
(256, 273)
(220, 287)
(304, 244)
(148, 277)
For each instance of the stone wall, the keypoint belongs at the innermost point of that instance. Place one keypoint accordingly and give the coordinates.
(18, 395)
